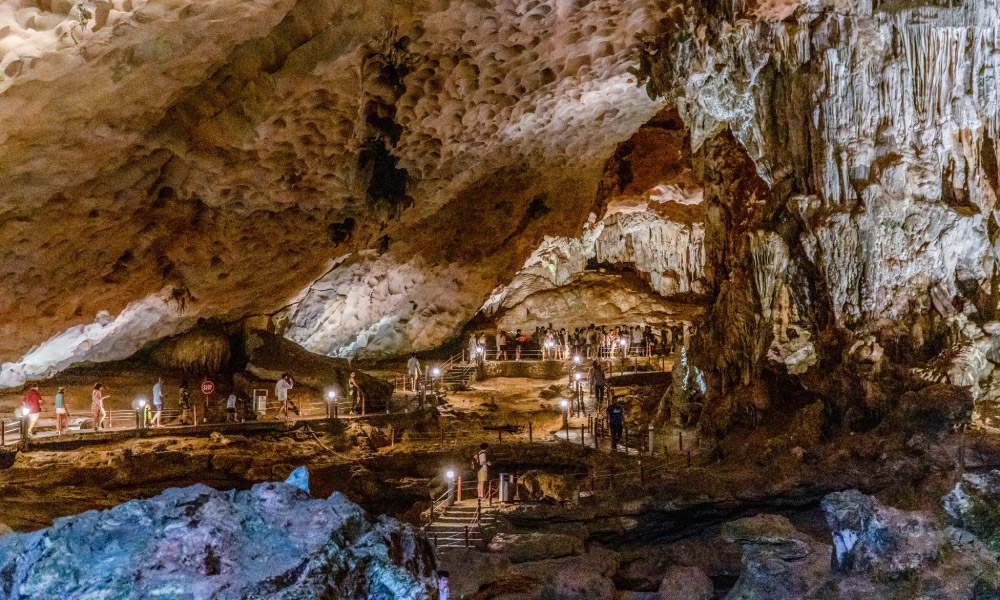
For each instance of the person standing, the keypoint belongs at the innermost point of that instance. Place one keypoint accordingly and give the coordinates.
(519, 340)
(483, 474)
(473, 347)
(185, 403)
(413, 370)
(157, 402)
(97, 399)
(231, 408)
(281, 392)
(354, 392)
(481, 345)
(62, 416)
(501, 345)
(32, 401)
(616, 421)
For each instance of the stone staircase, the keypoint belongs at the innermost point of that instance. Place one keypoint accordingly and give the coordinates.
(459, 375)
(448, 530)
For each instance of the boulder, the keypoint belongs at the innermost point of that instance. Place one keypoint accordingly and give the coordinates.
(541, 486)
(974, 505)
(581, 577)
(778, 560)
(469, 569)
(875, 539)
(685, 583)
(271, 541)
(528, 547)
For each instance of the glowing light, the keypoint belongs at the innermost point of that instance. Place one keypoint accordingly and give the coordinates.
(550, 344)
(450, 474)
(142, 402)
(565, 404)
(436, 371)
(331, 394)
(624, 343)
(20, 413)
(576, 359)
(480, 349)
(578, 377)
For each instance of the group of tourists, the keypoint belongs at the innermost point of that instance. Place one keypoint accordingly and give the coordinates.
(587, 342)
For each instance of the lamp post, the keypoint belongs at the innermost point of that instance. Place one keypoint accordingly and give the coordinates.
(549, 345)
(624, 346)
(565, 416)
(331, 397)
(140, 421)
(450, 476)
(21, 415)
(579, 396)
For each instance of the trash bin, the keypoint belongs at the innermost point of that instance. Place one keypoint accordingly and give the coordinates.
(506, 493)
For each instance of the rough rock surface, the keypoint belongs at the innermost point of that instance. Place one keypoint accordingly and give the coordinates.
(539, 485)
(778, 560)
(974, 505)
(527, 547)
(212, 166)
(685, 583)
(270, 541)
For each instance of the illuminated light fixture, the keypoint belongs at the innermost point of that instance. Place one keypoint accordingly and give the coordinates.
(480, 349)
(576, 359)
(550, 344)
(449, 474)
(578, 377)
(436, 371)
(564, 404)
(624, 343)
(20, 413)
(142, 402)
(331, 394)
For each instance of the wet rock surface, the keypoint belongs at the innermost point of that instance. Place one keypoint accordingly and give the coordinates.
(270, 541)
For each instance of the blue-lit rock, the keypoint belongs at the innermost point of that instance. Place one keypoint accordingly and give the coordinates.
(271, 541)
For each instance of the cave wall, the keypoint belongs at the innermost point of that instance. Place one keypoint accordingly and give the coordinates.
(855, 194)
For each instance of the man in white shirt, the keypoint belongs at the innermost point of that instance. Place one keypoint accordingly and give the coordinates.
(413, 369)
(281, 391)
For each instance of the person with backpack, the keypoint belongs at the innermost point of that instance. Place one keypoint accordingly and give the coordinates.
(483, 473)
(616, 422)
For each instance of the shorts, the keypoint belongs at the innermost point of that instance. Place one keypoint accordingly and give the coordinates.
(157, 408)
(230, 410)
(482, 473)
(61, 411)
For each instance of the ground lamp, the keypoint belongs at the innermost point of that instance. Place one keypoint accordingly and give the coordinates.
(450, 476)
(579, 394)
(331, 404)
(140, 421)
(565, 415)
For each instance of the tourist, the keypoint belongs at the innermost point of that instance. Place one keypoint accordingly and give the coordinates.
(519, 340)
(550, 345)
(281, 392)
(231, 408)
(473, 347)
(413, 370)
(354, 392)
(97, 399)
(32, 402)
(157, 402)
(501, 345)
(637, 339)
(62, 416)
(483, 474)
(616, 421)
(596, 381)
(185, 403)
(481, 344)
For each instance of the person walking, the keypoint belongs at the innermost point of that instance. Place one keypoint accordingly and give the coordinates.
(353, 392)
(32, 402)
(616, 421)
(519, 340)
(596, 380)
(281, 392)
(97, 399)
(185, 403)
(157, 402)
(413, 370)
(482, 475)
(62, 416)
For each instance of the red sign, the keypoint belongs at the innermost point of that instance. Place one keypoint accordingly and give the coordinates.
(207, 387)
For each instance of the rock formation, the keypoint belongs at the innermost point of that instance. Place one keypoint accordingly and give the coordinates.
(270, 541)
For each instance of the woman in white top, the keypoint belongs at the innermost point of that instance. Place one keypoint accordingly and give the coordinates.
(97, 399)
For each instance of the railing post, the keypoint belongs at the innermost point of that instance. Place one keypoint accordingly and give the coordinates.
(500, 437)
(111, 423)
(530, 433)
(466, 536)
(581, 434)
(362, 405)
(194, 410)
(651, 439)
(642, 474)
(459, 479)
(689, 459)
(680, 441)
(392, 436)
(3, 432)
